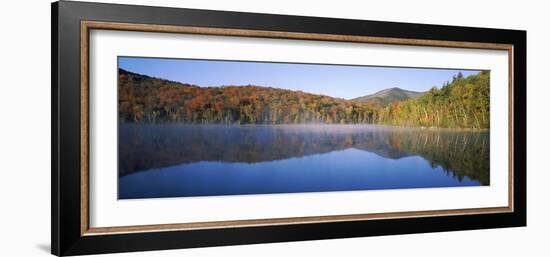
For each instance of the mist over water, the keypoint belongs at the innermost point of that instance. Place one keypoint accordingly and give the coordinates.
(176, 160)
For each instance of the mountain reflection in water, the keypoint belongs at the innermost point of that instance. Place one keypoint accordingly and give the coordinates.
(160, 160)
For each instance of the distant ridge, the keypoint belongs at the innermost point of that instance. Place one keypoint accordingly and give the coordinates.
(461, 103)
(387, 96)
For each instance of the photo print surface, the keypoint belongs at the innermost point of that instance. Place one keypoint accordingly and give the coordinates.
(190, 127)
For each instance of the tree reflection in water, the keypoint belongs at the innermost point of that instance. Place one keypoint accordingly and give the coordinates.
(143, 147)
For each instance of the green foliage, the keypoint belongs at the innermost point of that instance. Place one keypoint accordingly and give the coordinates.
(464, 103)
(387, 96)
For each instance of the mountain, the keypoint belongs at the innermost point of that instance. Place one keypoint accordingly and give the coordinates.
(461, 103)
(387, 96)
(144, 99)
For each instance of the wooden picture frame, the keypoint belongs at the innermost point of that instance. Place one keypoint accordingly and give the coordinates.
(71, 25)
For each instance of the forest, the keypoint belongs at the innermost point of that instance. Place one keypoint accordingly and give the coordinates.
(463, 102)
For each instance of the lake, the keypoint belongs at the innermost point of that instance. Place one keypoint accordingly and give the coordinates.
(175, 160)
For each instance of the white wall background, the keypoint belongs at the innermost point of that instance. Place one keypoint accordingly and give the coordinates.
(25, 127)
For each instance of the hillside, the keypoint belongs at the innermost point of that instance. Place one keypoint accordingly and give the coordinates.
(387, 96)
(462, 103)
(144, 99)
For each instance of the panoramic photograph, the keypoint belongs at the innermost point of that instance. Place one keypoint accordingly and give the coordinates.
(190, 127)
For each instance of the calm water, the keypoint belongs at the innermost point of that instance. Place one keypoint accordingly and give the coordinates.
(207, 160)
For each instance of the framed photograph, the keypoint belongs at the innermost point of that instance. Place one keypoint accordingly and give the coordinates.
(178, 128)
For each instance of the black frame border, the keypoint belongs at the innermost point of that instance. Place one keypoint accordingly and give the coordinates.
(66, 238)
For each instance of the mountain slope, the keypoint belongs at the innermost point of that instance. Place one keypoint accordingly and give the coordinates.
(144, 99)
(461, 103)
(387, 96)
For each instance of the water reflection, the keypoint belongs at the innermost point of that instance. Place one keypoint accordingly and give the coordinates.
(460, 155)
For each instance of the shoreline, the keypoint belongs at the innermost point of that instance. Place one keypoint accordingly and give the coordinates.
(310, 124)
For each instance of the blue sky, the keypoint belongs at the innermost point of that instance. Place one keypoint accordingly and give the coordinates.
(341, 81)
